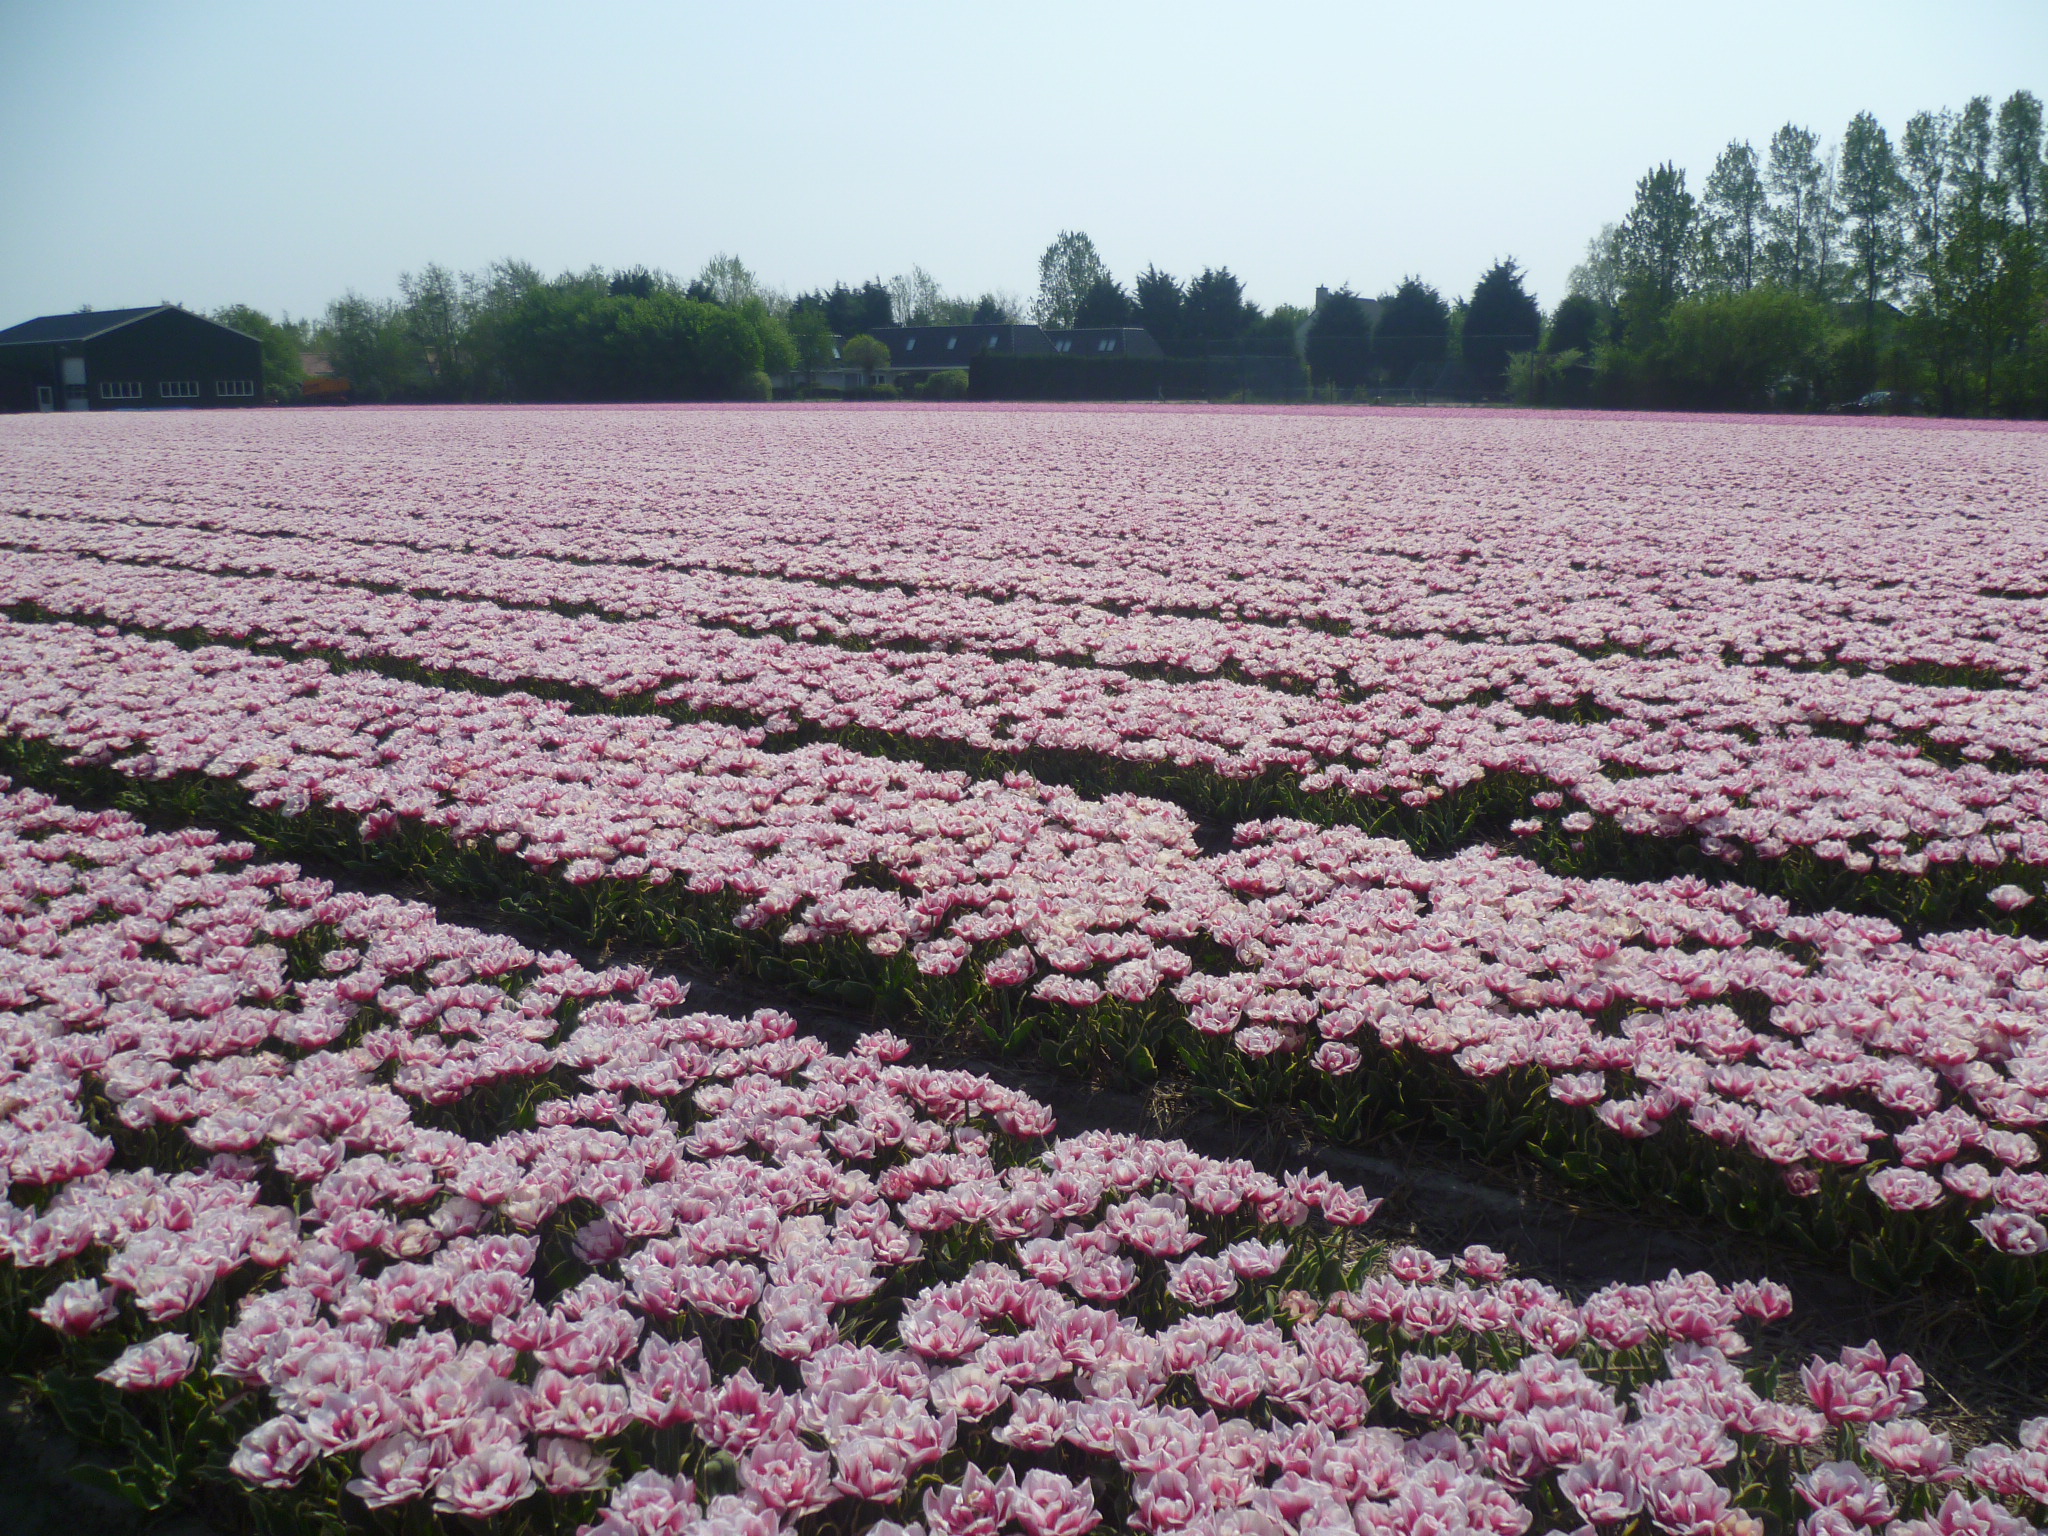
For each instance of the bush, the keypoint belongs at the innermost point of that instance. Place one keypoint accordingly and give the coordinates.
(1545, 378)
(1742, 349)
(946, 384)
(580, 343)
(865, 352)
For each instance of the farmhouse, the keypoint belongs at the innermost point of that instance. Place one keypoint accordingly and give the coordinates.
(161, 357)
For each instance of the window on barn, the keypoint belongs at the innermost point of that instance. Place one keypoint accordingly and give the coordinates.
(952, 342)
(233, 389)
(111, 390)
(910, 345)
(179, 389)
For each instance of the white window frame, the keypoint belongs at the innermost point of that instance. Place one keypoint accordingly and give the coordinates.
(234, 389)
(120, 389)
(178, 389)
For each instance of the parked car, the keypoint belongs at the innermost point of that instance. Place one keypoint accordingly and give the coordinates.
(1881, 402)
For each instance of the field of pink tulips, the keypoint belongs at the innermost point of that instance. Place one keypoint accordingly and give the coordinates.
(1659, 809)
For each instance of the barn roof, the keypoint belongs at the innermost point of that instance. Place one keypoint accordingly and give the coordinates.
(78, 327)
(46, 330)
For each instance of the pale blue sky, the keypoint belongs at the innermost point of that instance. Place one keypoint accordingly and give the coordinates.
(278, 153)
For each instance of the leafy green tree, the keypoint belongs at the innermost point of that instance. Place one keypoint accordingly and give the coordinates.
(437, 317)
(572, 340)
(2019, 155)
(1600, 275)
(1543, 378)
(1870, 187)
(1214, 309)
(282, 371)
(872, 307)
(1279, 334)
(865, 353)
(1340, 341)
(1105, 303)
(1413, 334)
(489, 298)
(372, 347)
(849, 311)
(730, 283)
(1158, 302)
(811, 336)
(1502, 317)
(1799, 209)
(1657, 239)
(1742, 350)
(638, 283)
(995, 309)
(1732, 206)
(917, 299)
(1989, 267)
(778, 347)
(1067, 269)
(1923, 169)
(1575, 326)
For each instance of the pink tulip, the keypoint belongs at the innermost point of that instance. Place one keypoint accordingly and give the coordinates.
(163, 1361)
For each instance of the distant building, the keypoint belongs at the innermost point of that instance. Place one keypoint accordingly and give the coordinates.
(916, 351)
(319, 381)
(1106, 341)
(157, 358)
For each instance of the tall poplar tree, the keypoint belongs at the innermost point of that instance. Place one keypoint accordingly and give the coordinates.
(2019, 155)
(1732, 204)
(1870, 192)
(1797, 181)
(1657, 238)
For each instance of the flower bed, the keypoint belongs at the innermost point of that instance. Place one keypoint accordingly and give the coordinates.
(1831, 1082)
(1806, 544)
(371, 1212)
(1742, 774)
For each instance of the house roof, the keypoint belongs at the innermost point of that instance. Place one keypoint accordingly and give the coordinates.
(1104, 340)
(78, 327)
(950, 346)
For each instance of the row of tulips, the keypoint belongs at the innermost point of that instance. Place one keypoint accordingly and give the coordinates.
(643, 1271)
(1805, 544)
(1806, 1073)
(1822, 819)
(1698, 690)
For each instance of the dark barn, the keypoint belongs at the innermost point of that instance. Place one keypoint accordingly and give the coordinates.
(157, 358)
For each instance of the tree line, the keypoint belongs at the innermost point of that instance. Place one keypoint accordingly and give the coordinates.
(1911, 272)
(1810, 275)
(509, 333)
